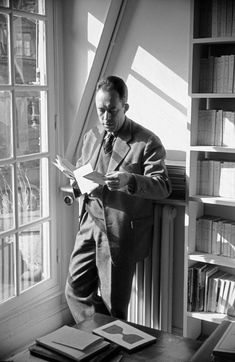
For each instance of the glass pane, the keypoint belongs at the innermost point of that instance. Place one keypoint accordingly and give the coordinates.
(32, 6)
(4, 3)
(5, 125)
(31, 118)
(34, 255)
(4, 49)
(32, 179)
(7, 267)
(6, 198)
(29, 51)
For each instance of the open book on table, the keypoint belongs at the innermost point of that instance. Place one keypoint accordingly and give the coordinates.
(87, 179)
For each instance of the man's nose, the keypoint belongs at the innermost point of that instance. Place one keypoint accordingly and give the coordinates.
(107, 115)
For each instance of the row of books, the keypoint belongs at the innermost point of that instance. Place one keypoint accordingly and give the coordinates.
(177, 175)
(217, 18)
(216, 128)
(216, 178)
(215, 235)
(210, 289)
(217, 74)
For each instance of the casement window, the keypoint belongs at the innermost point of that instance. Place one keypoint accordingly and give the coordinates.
(26, 105)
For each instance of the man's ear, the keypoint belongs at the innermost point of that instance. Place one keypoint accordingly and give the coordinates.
(126, 107)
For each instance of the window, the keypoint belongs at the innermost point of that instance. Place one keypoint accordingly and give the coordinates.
(25, 206)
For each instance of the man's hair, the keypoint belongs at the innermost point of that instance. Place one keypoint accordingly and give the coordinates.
(114, 83)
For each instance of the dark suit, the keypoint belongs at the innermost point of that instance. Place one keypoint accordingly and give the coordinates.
(127, 218)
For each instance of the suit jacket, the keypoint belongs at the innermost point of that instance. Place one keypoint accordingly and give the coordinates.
(129, 217)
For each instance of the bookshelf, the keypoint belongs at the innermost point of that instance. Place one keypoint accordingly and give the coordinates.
(211, 158)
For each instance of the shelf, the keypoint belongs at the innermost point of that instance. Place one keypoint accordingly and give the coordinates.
(218, 40)
(220, 149)
(213, 200)
(212, 259)
(212, 95)
(211, 70)
(209, 317)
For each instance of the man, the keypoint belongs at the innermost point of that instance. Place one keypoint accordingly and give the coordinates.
(116, 220)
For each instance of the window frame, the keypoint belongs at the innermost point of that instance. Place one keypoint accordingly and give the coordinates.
(37, 295)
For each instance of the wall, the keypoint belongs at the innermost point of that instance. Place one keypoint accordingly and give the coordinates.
(151, 53)
(83, 23)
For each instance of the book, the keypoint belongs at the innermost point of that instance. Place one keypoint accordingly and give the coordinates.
(213, 290)
(73, 343)
(225, 347)
(87, 178)
(44, 353)
(206, 127)
(199, 269)
(218, 128)
(228, 129)
(47, 354)
(191, 289)
(124, 335)
(222, 293)
(210, 270)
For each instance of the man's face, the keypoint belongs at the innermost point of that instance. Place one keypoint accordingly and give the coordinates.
(110, 110)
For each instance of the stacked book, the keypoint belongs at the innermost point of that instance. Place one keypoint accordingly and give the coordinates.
(68, 344)
(215, 235)
(216, 178)
(216, 128)
(210, 289)
(217, 74)
(177, 175)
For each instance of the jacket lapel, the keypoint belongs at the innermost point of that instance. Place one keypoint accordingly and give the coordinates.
(121, 146)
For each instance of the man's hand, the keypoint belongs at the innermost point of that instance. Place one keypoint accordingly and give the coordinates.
(116, 180)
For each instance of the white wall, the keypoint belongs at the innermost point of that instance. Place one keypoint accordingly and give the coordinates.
(83, 23)
(151, 53)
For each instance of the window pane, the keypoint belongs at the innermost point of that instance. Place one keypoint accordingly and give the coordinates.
(34, 255)
(4, 49)
(7, 267)
(4, 3)
(5, 125)
(31, 6)
(29, 51)
(31, 118)
(32, 179)
(6, 198)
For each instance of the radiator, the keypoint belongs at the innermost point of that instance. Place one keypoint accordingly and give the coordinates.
(151, 297)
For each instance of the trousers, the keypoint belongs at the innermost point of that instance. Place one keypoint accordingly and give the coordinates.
(94, 283)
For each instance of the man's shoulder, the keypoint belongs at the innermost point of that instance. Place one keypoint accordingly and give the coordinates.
(96, 130)
(138, 129)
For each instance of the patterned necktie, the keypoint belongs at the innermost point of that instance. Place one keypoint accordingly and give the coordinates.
(108, 143)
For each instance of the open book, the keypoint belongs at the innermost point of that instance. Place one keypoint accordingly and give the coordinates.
(87, 179)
